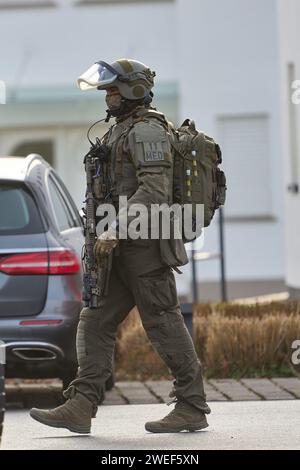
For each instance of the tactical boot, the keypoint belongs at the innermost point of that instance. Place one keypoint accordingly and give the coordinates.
(184, 417)
(74, 415)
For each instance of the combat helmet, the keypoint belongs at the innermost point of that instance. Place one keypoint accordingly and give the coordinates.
(133, 79)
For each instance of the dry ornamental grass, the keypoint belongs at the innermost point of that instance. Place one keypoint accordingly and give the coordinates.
(232, 340)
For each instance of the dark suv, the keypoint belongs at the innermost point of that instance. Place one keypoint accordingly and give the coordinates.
(41, 237)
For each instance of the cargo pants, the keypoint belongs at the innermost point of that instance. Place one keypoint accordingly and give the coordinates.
(138, 278)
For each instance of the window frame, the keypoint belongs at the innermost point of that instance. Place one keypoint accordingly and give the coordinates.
(267, 216)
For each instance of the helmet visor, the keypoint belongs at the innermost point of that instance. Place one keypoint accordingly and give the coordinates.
(99, 75)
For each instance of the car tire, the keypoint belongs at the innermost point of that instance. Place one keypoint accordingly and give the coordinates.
(2, 399)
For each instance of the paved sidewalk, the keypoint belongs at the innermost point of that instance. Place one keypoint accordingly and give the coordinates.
(25, 394)
(233, 425)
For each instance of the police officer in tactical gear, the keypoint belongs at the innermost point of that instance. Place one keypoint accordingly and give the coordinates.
(141, 273)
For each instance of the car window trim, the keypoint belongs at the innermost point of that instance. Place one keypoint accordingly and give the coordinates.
(50, 180)
(71, 207)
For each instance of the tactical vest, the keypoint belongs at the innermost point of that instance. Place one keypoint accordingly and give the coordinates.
(121, 169)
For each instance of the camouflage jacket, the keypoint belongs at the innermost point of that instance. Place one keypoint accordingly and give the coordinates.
(141, 168)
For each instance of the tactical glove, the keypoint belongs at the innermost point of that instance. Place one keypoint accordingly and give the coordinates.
(105, 244)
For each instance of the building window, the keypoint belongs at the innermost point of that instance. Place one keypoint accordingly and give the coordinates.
(246, 159)
(45, 148)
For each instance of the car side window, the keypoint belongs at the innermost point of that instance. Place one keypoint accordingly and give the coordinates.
(61, 212)
(72, 209)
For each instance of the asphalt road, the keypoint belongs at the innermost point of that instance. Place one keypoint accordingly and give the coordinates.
(235, 425)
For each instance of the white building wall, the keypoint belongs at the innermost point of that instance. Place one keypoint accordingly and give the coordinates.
(52, 46)
(289, 34)
(228, 67)
(46, 49)
(222, 55)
